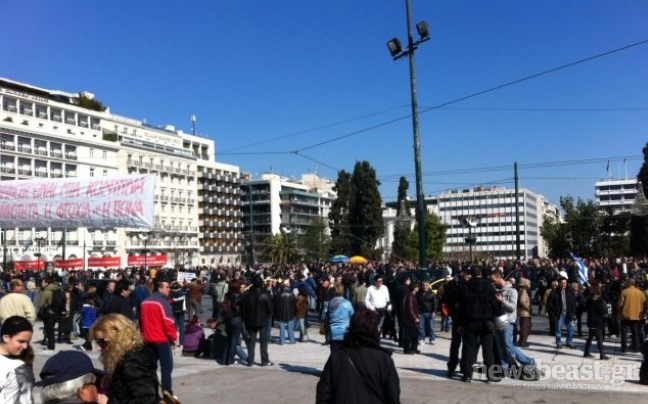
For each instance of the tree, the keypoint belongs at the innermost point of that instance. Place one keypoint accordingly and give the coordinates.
(402, 225)
(315, 242)
(580, 232)
(280, 249)
(339, 215)
(435, 237)
(365, 209)
(90, 103)
(639, 224)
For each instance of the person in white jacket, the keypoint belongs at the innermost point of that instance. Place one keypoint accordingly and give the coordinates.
(377, 299)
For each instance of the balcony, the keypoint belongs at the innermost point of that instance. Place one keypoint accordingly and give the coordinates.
(56, 153)
(70, 121)
(7, 170)
(71, 155)
(96, 127)
(23, 148)
(10, 107)
(7, 146)
(25, 171)
(57, 118)
(41, 151)
(71, 174)
(83, 124)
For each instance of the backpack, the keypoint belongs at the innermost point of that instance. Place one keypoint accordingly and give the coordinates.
(58, 303)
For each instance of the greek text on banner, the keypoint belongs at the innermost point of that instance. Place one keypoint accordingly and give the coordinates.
(124, 201)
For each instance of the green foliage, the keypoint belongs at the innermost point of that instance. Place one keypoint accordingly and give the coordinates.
(639, 224)
(339, 215)
(280, 248)
(365, 209)
(315, 242)
(90, 103)
(435, 237)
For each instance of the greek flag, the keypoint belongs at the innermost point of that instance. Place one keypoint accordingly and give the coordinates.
(583, 273)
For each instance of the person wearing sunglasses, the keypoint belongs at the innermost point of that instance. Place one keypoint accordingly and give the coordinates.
(130, 363)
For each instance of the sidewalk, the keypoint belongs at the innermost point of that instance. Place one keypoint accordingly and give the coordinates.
(564, 369)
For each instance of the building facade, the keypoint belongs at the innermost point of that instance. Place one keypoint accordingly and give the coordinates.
(48, 134)
(274, 204)
(616, 196)
(484, 219)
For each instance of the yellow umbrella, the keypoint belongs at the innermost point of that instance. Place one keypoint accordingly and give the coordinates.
(357, 259)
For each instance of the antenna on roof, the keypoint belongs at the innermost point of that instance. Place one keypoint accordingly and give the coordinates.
(193, 124)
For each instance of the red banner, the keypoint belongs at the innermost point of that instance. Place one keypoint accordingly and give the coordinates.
(151, 260)
(104, 262)
(33, 265)
(68, 264)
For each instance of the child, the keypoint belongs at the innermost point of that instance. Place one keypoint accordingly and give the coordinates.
(88, 317)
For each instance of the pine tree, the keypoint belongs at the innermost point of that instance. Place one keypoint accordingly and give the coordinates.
(435, 238)
(339, 215)
(365, 218)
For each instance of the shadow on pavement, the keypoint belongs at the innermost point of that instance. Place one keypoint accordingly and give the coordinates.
(305, 370)
(433, 372)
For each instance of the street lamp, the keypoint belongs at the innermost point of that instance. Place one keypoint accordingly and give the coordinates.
(396, 51)
(40, 241)
(144, 237)
(471, 222)
(4, 250)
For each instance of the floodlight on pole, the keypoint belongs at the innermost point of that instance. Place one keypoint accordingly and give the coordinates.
(396, 51)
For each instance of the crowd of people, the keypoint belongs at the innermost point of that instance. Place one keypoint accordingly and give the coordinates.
(136, 317)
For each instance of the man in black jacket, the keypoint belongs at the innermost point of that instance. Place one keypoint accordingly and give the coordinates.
(451, 297)
(120, 302)
(562, 302)
(256, 309)
(285, 309)
(400, 293)
(478, 306)
(426, 300)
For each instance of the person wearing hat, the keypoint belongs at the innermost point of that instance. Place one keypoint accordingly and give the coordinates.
(69, 377)
(562, 303)
(17, 376)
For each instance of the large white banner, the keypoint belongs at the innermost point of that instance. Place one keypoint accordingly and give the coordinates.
(124, 201)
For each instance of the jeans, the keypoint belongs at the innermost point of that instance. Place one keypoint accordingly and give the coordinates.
(426, 326)
(179, 323)
(291, 331)
(165, 357)
(506, 337)
(570, 324)
(301, 323)
(445, 323)
(234, 326)
(633, 326)
(76, 323)
(263, 336)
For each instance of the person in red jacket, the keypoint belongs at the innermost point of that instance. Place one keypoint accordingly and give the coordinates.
(158, 328)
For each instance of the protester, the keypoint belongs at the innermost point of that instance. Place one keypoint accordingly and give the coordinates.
(256, 309)
(339, 312)
(524, 312)
(426, 300)
(49, 316)
(410, 317)
(158, 329)
(361, 371)
(17, 303)
(302, 312)
(193, 334)
(234, 324)
(595, 306)
(631, 308)
(129, 362)
(377, 299)
(562, 303)
(16, 375)
(69, 377)
(285, 305)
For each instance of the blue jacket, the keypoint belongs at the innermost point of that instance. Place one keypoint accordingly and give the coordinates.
(88, 315)
(340, 312)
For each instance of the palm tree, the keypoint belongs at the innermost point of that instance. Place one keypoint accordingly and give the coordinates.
(280, 249)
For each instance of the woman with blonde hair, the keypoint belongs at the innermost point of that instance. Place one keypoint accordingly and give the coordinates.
(131, 365)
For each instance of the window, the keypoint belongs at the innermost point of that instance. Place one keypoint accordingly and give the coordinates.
(105, 173)
(91, 152)
(92, 172)
(105, 155)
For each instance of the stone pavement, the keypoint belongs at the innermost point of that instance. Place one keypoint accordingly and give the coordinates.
(565, 369)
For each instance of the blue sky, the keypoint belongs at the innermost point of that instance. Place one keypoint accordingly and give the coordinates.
(267, 78)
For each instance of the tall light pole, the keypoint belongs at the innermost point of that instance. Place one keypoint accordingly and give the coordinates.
(471, 222)
(397, 51)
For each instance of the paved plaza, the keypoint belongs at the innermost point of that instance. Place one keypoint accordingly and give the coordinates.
(295, 374)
